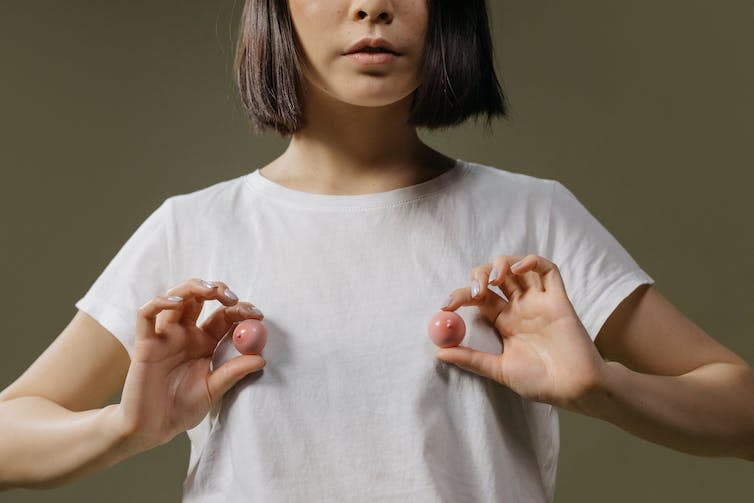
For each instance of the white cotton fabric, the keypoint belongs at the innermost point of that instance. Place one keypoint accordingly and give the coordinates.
(352, 404)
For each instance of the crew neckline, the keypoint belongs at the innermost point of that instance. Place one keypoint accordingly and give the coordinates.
(268, 188)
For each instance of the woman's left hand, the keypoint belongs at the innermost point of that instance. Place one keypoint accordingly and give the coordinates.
(547, 355)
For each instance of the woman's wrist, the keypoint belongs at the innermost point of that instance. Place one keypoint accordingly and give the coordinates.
(126, 440)
(595, 398)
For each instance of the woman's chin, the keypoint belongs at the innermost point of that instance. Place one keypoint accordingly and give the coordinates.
(374, 96)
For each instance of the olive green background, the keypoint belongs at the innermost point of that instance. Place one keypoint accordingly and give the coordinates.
(643, 109)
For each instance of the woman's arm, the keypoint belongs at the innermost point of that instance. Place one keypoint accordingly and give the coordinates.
(44, 445)
(708, 411)
(671, 383)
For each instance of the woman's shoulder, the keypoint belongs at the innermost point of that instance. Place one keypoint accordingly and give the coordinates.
(218, 196)
(507, 179)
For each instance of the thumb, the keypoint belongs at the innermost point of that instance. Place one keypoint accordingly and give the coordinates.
(229, 373)
(481, 363)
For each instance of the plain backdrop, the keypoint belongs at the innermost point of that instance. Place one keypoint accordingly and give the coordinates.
(643, 109)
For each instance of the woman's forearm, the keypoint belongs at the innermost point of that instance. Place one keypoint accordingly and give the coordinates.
(708, 411)
(44, 445)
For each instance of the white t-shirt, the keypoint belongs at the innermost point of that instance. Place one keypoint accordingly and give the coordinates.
(352, 404)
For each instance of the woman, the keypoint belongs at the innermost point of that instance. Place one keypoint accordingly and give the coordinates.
(348, 241)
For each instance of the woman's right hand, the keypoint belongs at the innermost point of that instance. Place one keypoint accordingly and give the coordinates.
(170, 387)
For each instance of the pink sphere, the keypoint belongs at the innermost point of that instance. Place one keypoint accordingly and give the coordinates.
(446, 329)
(250, 336)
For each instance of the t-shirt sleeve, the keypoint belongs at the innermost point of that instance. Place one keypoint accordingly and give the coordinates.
(139, 271)
(597, 271)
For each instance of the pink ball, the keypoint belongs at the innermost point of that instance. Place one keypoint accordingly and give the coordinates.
(250, 336)
(446, 329)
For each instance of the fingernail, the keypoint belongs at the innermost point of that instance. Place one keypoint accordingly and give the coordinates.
(207, 284)
(474, 288)
(175, 298)
(448, 301)
(493, 275)
(230, 294)
(257, 311)
(517, 264)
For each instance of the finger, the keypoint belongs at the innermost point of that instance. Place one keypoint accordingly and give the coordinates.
(223, 318)
(478, 283)
(546, 271)
(146, 315)
(530, 279)
(478, 286)
(490, 306)
(462, 297)
(194, 292)
(229, 373)
(509, 283)
(220, 292)
(480, 362)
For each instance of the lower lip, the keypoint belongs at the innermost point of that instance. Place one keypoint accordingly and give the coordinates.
(372, 58)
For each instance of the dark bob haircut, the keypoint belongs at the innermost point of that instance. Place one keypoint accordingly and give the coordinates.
(458, 76)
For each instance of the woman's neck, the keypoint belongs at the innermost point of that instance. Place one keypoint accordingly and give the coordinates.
(347, 149)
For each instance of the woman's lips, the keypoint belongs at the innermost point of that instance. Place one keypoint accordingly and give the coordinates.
(371, 58)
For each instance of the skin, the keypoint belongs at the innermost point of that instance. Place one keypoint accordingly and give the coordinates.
(667, 381)
(548, 355)
(356, 140)
(170, 387)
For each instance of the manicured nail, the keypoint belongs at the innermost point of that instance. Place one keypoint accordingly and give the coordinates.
(493, 275)
(249, 310)
(230, 294)
(448, 301)
(517, 264)
(207, 284)
(475, 288)
(175, 298)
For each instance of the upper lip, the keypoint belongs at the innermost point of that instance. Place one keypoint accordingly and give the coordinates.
(372, 42)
